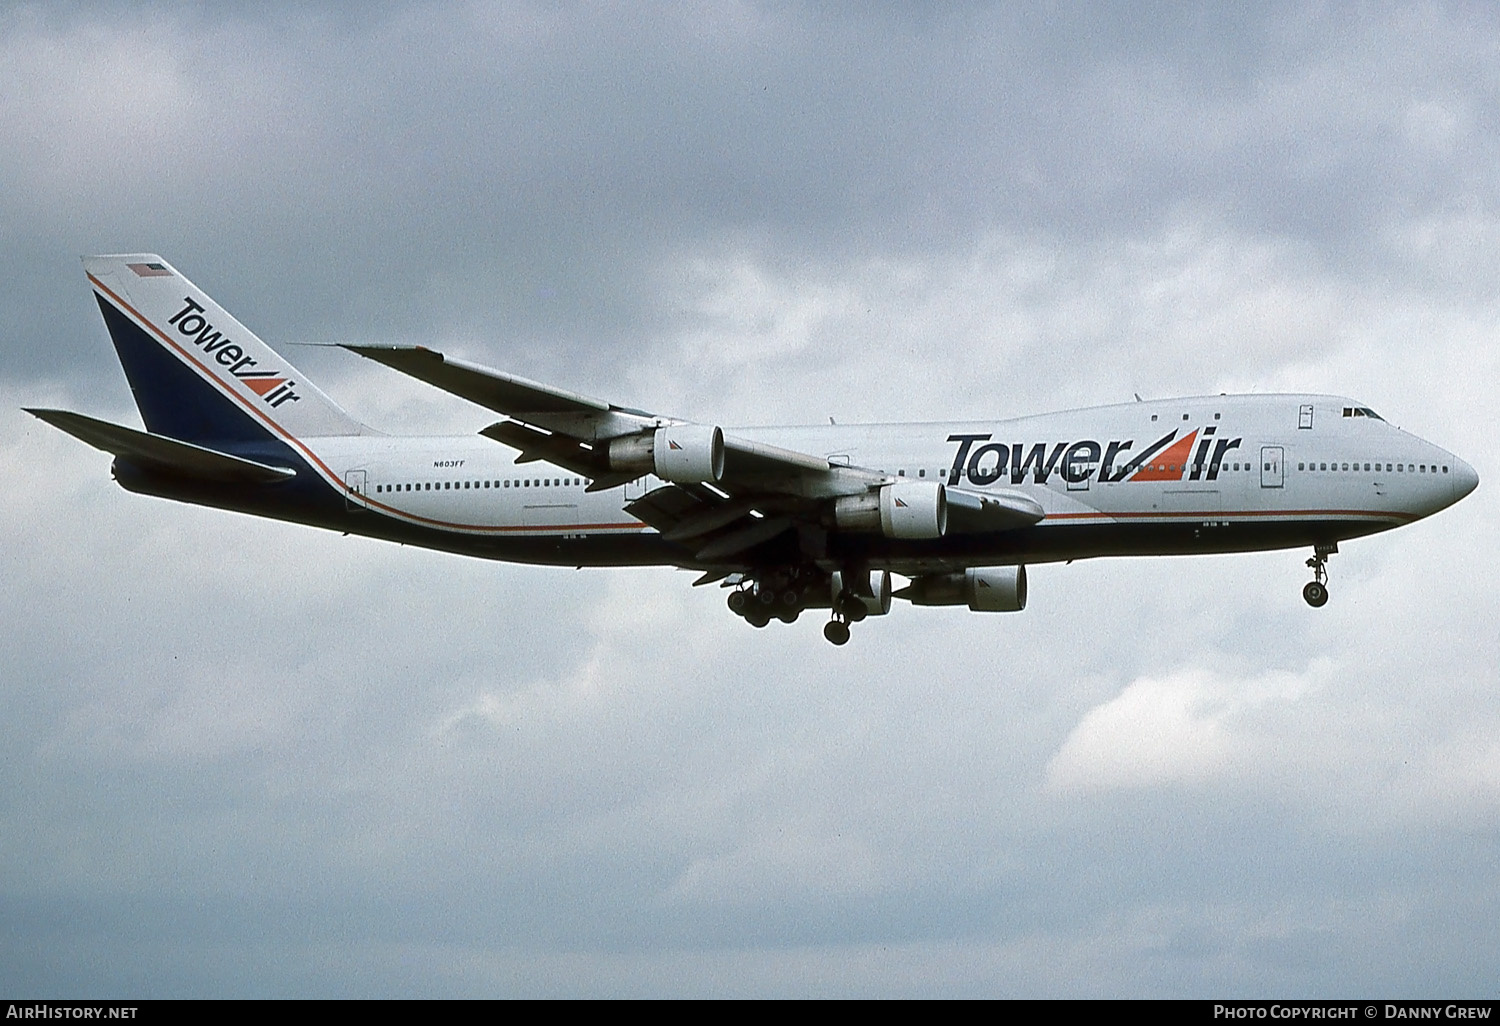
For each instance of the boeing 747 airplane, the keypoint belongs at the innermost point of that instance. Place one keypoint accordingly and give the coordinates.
(786, 518)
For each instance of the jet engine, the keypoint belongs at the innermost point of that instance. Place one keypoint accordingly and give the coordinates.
(680, 453)
(901, 509)
(990, 589)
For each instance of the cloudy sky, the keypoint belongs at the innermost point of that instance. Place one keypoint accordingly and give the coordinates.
(244, 758)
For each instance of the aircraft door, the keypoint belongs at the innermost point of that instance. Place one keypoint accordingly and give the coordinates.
(354, 481)
(1079, 471)
(1272, 472)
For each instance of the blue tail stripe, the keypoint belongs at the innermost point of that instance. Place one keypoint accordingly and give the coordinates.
(173, 400)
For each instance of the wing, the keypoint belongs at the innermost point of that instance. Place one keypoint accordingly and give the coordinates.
(608, 443)
(726, 495)
(162, 454)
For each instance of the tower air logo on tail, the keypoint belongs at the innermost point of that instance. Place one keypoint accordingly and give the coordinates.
(273, 386)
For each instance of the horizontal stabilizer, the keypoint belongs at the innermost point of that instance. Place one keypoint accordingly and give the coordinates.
(972, 513)
(157, 452)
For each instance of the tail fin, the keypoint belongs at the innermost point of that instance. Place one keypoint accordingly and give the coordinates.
(198, 374)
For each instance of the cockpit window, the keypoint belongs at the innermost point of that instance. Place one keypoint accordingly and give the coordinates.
(1361, 411)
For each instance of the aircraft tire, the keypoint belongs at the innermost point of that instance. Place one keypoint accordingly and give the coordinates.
(836, 632)
(852, 607)
(1316, 594)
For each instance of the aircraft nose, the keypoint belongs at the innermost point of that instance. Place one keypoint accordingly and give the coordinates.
(1465, 479)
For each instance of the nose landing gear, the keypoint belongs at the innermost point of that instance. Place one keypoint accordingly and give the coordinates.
(1316, 591)
(836, 631)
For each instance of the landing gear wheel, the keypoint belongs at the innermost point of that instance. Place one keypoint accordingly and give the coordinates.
(737, 601)
(837, 632)
(852, 607)
(1316, 592)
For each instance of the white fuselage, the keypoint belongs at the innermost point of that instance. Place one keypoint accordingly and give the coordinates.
(1211, 463)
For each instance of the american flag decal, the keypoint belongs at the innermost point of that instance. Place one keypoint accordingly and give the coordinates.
(150, 270)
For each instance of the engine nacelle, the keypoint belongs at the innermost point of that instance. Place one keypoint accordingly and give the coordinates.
(901, 509)
(680, 453)
(990, 589)
(873, 590)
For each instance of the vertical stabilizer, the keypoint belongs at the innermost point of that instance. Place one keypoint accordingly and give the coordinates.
(198, 374)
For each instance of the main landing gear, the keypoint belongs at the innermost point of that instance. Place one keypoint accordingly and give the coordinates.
(1316, 591)
(774, 596)
(847, 608)
(783, 593)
